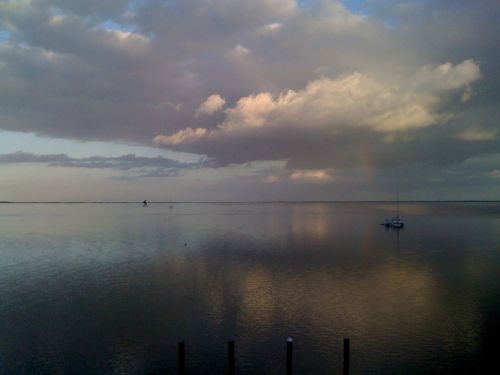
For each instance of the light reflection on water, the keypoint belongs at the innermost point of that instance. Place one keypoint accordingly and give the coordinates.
(111, 288)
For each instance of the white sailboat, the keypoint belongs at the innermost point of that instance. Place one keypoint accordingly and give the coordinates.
(395, 222)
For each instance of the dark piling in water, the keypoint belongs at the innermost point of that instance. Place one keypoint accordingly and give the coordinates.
(289, 352)
(182, 358)
(347, 350)
(230, 358)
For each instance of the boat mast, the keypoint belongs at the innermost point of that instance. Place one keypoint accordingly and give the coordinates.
(397, 202)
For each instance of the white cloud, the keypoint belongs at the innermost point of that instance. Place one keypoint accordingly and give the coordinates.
(448, 76)
(334, 17)
(183, 136)
(127, 36)
(239, 53)
(271, 27)
(477, 134)
(315, 175)
(332, 105)
(211, 105)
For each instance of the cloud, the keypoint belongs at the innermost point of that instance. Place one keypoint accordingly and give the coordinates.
(311, 175)
(350, 106)
(477, 134)
(447, 77)
(161, 172)
(24, 157)
(239, 53)
(311, 83)
(213, 104)
(271, 27)
(144, 166)
(182, 136)
(272, 179)
(90, 8)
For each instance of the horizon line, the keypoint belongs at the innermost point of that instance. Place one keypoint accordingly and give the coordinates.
(258, 202)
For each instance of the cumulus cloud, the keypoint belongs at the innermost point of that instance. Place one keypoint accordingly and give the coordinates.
(447, 76)
(330, 109)
(213, 104)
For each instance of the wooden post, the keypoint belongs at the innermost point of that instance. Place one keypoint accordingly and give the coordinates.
(346, 356)
(182, 358)
(289, 351)
(230, 358)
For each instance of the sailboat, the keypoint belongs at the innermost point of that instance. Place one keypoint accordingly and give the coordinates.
(145, 203)
(395, 222)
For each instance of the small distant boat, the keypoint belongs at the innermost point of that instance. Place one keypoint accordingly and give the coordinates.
(395, 222)
(145, 203)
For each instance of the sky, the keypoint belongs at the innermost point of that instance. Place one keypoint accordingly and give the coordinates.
(237, 100)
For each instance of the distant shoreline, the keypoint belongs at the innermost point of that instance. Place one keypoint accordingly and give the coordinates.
(250, 202)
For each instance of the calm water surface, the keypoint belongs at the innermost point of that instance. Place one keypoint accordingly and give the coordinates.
(112, 288)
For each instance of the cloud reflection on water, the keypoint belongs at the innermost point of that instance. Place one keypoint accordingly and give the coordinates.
(124, 293)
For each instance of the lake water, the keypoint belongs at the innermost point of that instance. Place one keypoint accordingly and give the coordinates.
(112, 288)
